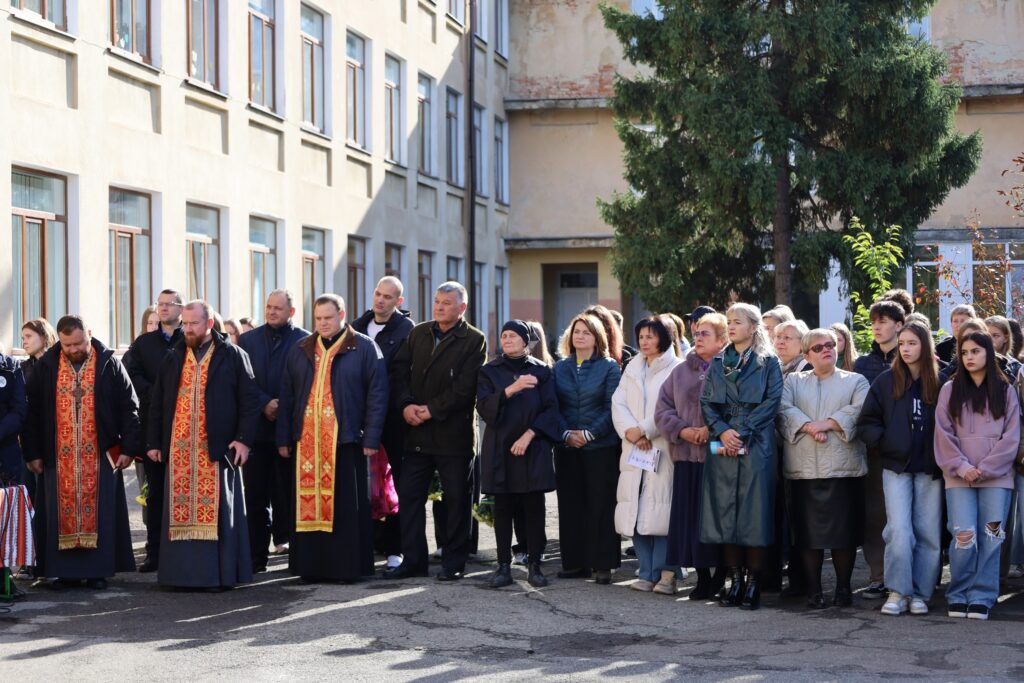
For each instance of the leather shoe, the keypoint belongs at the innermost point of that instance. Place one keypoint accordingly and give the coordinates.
(96, 584)
(535, 578)
(574, 574)
(502, 576)
(816, 601)
(602, 577)
(843, 598)
(150, 564)
(449, 575)
(752, 596)
(733, 596)
(403, 571)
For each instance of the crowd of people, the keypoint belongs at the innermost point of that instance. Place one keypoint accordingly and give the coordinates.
(739, 444)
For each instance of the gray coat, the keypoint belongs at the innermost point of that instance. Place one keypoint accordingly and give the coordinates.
(738, 506)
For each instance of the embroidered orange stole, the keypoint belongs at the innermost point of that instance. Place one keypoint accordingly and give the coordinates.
(317, 449)
(78, 455)
(194, 480)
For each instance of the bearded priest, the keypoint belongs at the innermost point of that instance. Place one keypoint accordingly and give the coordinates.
(82, 431)
(203, 413)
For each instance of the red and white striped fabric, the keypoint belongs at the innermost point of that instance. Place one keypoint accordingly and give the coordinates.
(17, 545)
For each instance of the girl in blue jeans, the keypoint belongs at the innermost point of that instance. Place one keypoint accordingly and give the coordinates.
(898, 420)
(977, 431)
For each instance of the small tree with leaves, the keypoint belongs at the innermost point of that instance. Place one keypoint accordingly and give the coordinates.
(876, 262)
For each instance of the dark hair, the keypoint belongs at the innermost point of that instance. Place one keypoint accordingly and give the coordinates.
(991, 393)
(658, 328)
(69, 324)
(612, 330)
(324, 299)
(1018, 337)
(44, 329)
(885, 308)
(902, 297)
(175, 293)
(901, 377)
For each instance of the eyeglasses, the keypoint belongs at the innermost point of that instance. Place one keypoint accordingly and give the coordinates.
(703, 334)
(818, 348)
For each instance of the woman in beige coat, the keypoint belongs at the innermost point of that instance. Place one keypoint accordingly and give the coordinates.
(644, 498)
(825, 464)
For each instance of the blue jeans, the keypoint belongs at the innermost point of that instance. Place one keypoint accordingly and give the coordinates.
(974, 554)
(1017, 544)
(650, 553)
(913, 532)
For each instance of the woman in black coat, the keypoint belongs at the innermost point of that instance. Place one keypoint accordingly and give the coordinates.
(516, 398)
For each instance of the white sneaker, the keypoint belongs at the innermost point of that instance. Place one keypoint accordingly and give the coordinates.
(683, 574)
(439, 552)
(519, 558)
(896, 604)
(1016, 571)
(394, 561)
(918, 606)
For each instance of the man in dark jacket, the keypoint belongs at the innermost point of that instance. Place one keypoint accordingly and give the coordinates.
(13, 413)
(143, 364)
(947, 347)
(388, 325)
(334, 383)
(82, 431)
(204, 409)
(887, 319)
(268, 477)
(434, 381)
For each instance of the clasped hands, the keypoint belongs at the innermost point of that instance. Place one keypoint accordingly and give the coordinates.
(732, 442)
(415, 415)
(635, 436)
(819, 429)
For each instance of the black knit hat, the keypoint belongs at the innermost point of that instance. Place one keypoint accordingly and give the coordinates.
(520, 328)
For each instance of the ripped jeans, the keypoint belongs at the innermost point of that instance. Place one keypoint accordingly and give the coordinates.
(977, 517)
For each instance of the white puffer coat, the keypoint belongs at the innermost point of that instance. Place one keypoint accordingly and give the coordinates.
(644, 499)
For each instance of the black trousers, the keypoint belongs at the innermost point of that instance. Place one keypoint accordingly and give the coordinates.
(586, 507)
(530, 506)
(282, 499)
(441, 513)
(262, 475)
(456, 473)
(155, 474)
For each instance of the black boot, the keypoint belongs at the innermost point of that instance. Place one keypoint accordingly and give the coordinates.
(535, 577)
(502, 575)
(703, 589)
(752, 596)
(732, 596)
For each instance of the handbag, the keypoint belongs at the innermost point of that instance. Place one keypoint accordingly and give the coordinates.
(383, 496)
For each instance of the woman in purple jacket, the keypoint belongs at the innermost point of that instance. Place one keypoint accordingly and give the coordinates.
(977, 430)
(679, 419)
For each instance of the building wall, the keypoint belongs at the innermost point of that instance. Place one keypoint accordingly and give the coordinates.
(69, 105)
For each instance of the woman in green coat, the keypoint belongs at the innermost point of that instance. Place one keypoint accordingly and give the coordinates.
(740, 401)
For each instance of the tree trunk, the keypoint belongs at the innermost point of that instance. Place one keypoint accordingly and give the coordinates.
(782, 230)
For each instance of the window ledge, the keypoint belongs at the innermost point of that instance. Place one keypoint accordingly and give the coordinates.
(429, 5)
(33, 19)
(355, 149)
(454, 24)
(269, 113)
(480, 41)
(205, 87)
(396, 168)
(422, 175)
(502, 206)
(457, 190)
(132, 62)
(500, 58)
(309, 130)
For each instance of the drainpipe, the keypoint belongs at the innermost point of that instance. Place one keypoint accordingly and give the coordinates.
(471, 154)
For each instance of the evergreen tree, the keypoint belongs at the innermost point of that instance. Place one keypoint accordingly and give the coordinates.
(756, 129)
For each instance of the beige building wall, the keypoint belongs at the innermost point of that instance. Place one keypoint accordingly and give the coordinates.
(71, 105)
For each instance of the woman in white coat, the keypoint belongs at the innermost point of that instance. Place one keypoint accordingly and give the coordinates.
(644, 498)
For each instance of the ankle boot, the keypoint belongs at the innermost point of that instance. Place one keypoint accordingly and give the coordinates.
(535, 577)
(703, 590)
(732, 596)
(752, 596)
(667, 584)
(502, 575)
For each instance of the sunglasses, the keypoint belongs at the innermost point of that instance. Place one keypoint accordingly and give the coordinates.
(818, 348)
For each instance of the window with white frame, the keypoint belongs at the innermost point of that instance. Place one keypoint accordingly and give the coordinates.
(53, 11)
(453, 137)
(130, 217)
(314, 93)
(393, 260)
(997, 279)
(262, 29)
(500, 315)
(480, 149)
(262, 264)
(501, 27)
(425, 285)
(425, 125)
(393, 109)
(453, 269)
(457, 10)
(500, 160)
(356, 273)
(203, 21)
(480, 19)
(355, 89)
(39, 231)
(477, 297)
(129, 27)
(202, 260)
(313, 275)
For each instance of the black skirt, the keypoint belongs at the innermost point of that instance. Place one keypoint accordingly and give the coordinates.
(826, 513)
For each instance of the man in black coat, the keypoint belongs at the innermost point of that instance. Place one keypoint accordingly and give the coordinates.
(84, 421)
(957, 317)
(333, 536)
(268, 477)
(204, 381)
(13, 413)
(143, 364)
(434, 381)
(388, 325)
